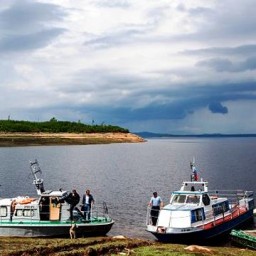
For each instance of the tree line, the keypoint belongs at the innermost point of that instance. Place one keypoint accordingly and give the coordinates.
(55, 126)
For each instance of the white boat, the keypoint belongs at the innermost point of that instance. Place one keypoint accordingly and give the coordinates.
(23, 216)
(195, 214)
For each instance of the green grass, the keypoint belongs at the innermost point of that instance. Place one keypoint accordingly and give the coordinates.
(104, 246)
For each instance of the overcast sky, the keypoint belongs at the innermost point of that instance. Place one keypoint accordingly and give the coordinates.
(169, 66)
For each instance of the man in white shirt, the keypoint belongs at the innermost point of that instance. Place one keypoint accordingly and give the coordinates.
(155, 202)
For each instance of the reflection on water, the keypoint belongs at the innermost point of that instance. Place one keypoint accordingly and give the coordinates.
(125, 175)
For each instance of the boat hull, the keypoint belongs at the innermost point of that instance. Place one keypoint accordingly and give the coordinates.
(205, 235)
(244, 238)
(54, 230)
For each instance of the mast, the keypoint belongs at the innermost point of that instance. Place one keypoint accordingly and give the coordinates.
(39, 183)
(194, 176)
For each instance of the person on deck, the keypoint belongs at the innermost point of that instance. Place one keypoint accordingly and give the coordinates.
(87, 201)
(155, 203)
(194, 176)
(74, 200)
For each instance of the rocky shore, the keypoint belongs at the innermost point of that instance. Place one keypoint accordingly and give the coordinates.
(35, 139)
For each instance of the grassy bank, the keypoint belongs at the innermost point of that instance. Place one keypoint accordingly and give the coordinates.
(106, 246)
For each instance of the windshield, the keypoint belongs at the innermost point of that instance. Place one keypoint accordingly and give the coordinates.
(188, 199)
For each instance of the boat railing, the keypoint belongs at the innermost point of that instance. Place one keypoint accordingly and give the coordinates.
(233, 195)
(99, 211)
(212, 219)
(148, 216)
(32, 214)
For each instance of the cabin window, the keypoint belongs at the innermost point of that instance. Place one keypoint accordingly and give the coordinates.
(18, 213)
(179, 199)
(206, 199)
(193, 199)
(28, 213)
(25, 213)
(197, 215)
(3, 211)
(251, 204)
(220, 208)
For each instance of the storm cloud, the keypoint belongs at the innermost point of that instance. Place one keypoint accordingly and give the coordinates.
(181, 67)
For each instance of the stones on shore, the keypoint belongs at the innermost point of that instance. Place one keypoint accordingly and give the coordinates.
(197, 248)
(118, 237)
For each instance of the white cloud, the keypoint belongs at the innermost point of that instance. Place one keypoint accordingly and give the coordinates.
(154, 64)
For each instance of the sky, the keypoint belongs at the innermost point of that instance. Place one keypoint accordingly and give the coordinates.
(165, 66)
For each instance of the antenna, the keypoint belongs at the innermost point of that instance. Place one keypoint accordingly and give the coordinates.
(39, 183)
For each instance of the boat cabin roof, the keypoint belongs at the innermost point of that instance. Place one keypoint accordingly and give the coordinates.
(19, 199)
(194, 186)
(52, 193)
(189, 192)
(183, 207)
(6, 201)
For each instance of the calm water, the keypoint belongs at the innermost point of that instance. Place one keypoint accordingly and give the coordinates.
(125, 175)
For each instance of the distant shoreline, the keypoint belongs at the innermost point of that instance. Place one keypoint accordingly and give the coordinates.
(217, 135)
(43, 139)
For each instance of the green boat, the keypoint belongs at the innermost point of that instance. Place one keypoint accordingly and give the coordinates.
(246, 238)
(23, 216)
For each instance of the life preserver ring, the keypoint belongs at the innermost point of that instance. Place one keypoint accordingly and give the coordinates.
(26, 200)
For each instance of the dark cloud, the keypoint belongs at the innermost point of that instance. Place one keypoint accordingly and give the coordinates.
(166, 103)
(219, 65)
(242, 50)
(250, 63)
(28, 14)
(217, 107)
(236, 22)
(225, 65)
(30, 41)
(25, 25)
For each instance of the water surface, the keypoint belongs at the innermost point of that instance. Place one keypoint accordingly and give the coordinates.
(125, 175)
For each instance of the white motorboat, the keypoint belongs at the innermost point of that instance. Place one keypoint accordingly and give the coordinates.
(195, 214)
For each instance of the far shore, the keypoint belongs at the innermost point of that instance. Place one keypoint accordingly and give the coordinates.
(37, 139)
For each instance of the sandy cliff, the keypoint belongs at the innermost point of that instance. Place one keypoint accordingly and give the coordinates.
(23, 139)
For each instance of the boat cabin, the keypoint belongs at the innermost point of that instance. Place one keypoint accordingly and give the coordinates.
(192, 205)
(31, 209)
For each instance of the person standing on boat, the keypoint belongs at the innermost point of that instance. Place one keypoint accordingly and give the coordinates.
(194, 176)
(155, 202)
(88, 201)
(74, 199)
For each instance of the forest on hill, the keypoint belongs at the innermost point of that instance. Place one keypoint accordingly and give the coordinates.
(55, 126)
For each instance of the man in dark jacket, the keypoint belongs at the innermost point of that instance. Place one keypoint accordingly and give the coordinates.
(73, 200)
(88, 201)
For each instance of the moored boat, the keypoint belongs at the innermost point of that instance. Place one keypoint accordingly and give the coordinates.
(196, 214)
(23, 216)
(245, 238)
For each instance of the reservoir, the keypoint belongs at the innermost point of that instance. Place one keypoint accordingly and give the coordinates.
(125, 175)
